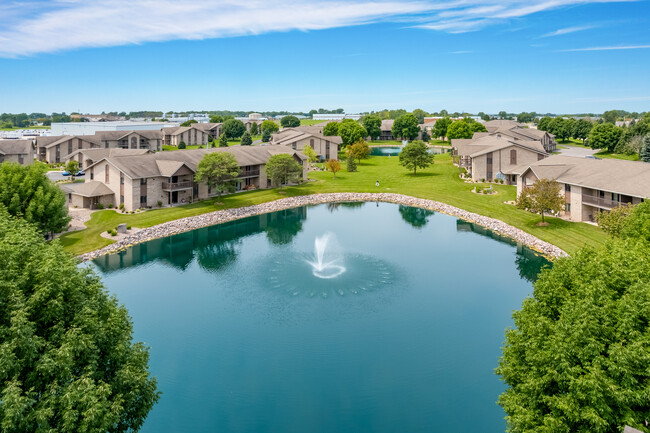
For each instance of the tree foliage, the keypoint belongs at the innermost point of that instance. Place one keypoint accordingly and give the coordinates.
(219, 170)
(351, 132)
(543, 197)
(359, 150)
(440, 127)
(581, 129)
(254, 130)
(604, 136)
(420, 115)
(645, 151)
(578, 359)
(333, 166)
(459, 129)
(415, 155)
(72, 167)
(270, 126)
(27, 192)
(310, 153)
(182, 145)
(223, 140)
(266, 136)
(613, 221)
(289, 122)
(233, 128)
(372, 124)
(543, 123)
(216, 119)
(406, 127)
(246, 139)
(350, 164)
(282, 169)
(189, 122)
(331, 129)
(68, 360)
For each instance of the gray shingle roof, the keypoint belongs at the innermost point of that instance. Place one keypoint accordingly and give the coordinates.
(15, 147)
(93, 188)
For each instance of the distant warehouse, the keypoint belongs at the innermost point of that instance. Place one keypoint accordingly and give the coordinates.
(336, 116)
(89, 128)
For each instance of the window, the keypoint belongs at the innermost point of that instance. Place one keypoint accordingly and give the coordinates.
(121, 179)
(489, 175)
(70, 147)
(616, 197)
(513, 157)
(21, 158)
(121, 199)
(489, 158)
(106, 170)
(134, 142)
(567, 187)
(567, 207)
(143, 181)
(143, 199)
(92, 175)
(311, 143)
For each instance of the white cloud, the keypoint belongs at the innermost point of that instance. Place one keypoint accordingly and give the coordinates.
(58, 25)
(612, 48)
(567, 30)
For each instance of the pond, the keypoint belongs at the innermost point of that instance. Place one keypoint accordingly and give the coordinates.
(395, 150)
(345, 317)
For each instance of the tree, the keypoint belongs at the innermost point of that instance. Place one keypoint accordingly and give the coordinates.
(350, 165)
(270, 126)
(543, 197)
(254, 129)
(581, 129)
(503, 115)
(266, 135)
(68, 359)
(610, 116)
(189, 122)
(223, 140)
(459, 129)
(440, 127)
(475, 126)
(415, 155)
(331, 129)
(282, 169)
(26, 192)
(425, 136)
(613, 221)
(525, 117)
(359, 150)
(289, 122)
(645, 151)
(577, 358)
(233, 128)
(372, 124)
(543, 123)
(310, 153)
(333, 166)
(219, 170)
(420, 115)
(72, 167)
(406, 127)
(351, 132)
(182, 145)
(216, 119)
(604, 136)
(246, 139)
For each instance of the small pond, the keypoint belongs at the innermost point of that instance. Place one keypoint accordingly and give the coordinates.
(395, 150)
(345, 317)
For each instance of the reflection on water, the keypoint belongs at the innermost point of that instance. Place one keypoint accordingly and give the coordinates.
(334, 206)
(529, 263)
(415, 216)
(215, 247)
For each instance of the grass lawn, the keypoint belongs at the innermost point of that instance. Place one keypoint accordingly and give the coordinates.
(439, 182)
(565, 144)
(310, 122)
(26, 127)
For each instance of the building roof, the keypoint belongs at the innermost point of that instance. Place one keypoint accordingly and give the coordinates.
(503, 124)
(489, 143)
(614, 175)
(97, 154)
(15, 147)
(93, 188)
(387, 124)
(119, 135)
(206, 126)
(290, 135)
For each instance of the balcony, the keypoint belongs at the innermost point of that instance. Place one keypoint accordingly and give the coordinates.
(177, 186)
(249, 173)
(600, 202)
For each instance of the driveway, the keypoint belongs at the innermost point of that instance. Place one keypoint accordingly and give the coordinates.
(55, 175)
(579, 152)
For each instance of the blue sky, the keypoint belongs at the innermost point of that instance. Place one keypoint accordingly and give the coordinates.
(560, 56)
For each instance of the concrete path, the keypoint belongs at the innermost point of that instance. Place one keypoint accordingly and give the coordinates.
(579, 152)
(55, 175)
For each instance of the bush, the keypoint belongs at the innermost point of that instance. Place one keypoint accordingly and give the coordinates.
(482, 179)
(478, 189)
(113, 233)
(159, 203)
(110, 205)
(128, 227)
(121, 206)
(99, 206)
(486, 191)
(182, 145)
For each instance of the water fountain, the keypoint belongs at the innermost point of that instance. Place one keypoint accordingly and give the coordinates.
(320, 267)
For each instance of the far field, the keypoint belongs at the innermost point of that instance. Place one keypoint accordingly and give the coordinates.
(439, 182)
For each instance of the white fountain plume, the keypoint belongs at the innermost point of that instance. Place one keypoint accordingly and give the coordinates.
(320, 267)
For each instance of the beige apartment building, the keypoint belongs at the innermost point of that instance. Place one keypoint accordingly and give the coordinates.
(518, 132)
(166, 178)
(326, 147)
(589, 185)
(197, 134)
(20, 151)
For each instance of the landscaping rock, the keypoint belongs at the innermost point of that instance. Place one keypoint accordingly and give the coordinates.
(222, 216)
(121, 228)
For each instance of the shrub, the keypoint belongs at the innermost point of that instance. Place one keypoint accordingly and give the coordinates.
(478, 189)
(113, 233)
(121, 206)
(159, 203)
(110, 205)
(486, 191)
(128, 227)
(482, 179)
(182, 145)
(99, 206)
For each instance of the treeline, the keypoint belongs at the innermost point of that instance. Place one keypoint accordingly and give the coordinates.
(24, 120)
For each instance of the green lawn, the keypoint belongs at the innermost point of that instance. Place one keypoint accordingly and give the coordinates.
(26, 127)
(439, 182)
(602, 154)
(309, 122)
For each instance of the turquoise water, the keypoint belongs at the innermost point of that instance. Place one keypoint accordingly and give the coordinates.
(244, 338)
(395, 150)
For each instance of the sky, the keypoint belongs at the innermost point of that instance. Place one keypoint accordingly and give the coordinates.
(558, 56)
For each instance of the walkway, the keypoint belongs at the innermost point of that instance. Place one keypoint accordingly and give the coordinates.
(580, 152)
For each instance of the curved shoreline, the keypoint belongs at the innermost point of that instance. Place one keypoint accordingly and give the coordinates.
(221, 216)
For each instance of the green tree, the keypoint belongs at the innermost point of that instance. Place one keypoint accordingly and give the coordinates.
(182, 145)
(406, 127)
(216, 119)
(476, 126)
(351, 132)
(219, 170)
(525, 117)
(581, 129)
(415, 155)
(331, 129)
(613, 221)
(266, 135)
(420, 115)
(333, 166)
(459, 129)
(310, 153)
(440, 127)
(372, 124)
(282, 169)
(503, 115)
(254, 130)
(358, 150)
(350, 164)
(68, 360)
(270, 126)
(604, 136)
(233, 128)
(645, 151)
(543, 123)
(289, 122)
(543, 197)
(246, 139)
(610, 116)
(189, 122)
(72, 167)
(27, 192)
(577, 359)
(223, 140)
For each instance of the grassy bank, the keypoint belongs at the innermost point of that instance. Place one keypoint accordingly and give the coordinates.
(439, 182)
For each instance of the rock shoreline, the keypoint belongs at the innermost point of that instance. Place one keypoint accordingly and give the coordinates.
(217, 217)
